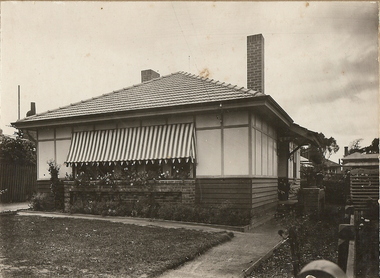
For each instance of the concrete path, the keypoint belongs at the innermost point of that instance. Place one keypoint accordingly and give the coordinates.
(231, 258)
(227, 260)
(9, 207)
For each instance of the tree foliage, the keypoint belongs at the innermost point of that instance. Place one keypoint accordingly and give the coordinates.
(328, 147)
(373, 148)
(17, 150)
(355, 147)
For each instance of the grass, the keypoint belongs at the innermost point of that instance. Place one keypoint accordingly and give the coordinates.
(317, 239)
(35, 246)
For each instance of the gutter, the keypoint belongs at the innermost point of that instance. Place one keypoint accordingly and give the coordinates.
(265, 103)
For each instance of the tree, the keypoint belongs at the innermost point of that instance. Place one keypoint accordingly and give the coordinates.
(319, 154)
(355, 146)
(373, 148)
(329, 146)
(17, 150)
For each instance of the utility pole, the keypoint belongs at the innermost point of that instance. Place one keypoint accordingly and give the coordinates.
(18, 102)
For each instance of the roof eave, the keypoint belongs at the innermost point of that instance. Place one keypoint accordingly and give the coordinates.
(264, 103)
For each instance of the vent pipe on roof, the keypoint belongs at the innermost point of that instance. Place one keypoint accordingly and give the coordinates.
(149, 74)
(255, 63)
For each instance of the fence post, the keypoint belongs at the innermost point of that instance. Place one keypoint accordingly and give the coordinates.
(294, 249)
(346, 233)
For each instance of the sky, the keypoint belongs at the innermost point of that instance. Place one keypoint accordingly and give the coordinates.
(321, 61)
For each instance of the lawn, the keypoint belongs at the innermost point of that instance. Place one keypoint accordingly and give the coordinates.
(35, 246)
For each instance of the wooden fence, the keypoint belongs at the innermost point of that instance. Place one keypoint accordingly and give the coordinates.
(364, 186)
(17, 182)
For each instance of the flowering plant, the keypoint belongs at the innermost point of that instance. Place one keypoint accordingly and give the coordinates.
(107, 179)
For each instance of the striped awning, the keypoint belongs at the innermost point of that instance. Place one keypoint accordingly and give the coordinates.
(147, 143)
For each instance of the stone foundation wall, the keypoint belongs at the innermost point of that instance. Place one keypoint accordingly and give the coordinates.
(163, 191)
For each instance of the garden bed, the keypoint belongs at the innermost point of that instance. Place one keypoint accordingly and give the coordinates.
(367, 243)
(36, 246)
(317, 239)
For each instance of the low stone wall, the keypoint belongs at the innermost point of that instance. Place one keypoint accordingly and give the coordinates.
(174, 191)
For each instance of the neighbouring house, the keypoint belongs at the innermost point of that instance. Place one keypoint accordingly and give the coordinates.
(363, 169)
(213, 141)
(361, 160)
(332, 167)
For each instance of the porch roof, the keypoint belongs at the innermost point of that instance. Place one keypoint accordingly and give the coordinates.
(302, 136)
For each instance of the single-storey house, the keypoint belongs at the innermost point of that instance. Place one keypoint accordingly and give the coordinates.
(361, 160)
(228, 142)
(364, 177)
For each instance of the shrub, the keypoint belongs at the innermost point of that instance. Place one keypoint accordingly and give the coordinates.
(124, 209)
(56, 186)
(166, 211)
(223, 214)
(42, 202)
(111, 208)
(227, 214)
(146, 207)
(77, 207)
(184, 212)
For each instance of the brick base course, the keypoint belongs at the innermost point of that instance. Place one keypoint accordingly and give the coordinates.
(174, 191)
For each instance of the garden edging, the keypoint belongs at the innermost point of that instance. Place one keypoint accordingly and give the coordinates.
(247, 272)
(98, 217)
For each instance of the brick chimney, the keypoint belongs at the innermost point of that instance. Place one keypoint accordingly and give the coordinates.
(32, 110)
(255, 62)
(345, 151)
(149, 74)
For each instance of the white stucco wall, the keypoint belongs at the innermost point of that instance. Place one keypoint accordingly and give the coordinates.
(209, 153)
(45, 153)
(248, 145)
(53, 145)
(229, 144)
(62, 149)
(236, 155)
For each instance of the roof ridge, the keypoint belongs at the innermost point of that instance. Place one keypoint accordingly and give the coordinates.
(224, 84)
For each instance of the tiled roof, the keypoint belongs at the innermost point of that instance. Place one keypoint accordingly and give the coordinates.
(179, 88)
(361, 156)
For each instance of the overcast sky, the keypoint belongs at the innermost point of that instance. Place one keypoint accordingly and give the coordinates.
(320, 58)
